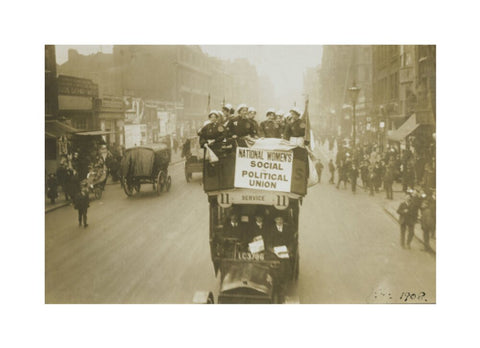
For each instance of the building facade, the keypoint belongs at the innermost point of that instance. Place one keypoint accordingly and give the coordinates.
(341, 67)
(404, 93)
(76, 102)
(111, 118)
(311, 86)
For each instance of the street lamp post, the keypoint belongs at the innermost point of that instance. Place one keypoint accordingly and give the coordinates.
(354, 91)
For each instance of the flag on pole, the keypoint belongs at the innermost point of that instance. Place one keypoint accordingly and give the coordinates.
(308, 128)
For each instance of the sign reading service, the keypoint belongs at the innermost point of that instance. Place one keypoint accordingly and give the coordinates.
(263, 169)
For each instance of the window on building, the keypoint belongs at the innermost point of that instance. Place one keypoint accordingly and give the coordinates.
(80, 123)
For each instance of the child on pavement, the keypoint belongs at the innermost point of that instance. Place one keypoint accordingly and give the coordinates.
(81, 203)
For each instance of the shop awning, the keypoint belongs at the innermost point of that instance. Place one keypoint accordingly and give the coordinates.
(98, 132)
(56, 129)
(405, 129)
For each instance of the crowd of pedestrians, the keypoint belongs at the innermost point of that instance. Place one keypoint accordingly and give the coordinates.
(379, 170)
(75, 174)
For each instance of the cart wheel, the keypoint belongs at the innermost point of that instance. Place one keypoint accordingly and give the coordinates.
(168, 183)
(137, 187)
(127, 188)
(98, 192)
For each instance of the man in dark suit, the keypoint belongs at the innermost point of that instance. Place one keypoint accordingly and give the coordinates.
(408, 213)
(258, 227)
(281, 234)
(235, 232)
(232, 227)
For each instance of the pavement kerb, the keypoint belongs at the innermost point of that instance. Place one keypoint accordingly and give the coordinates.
(389, 210)
(418, 230)
(49, 209)
(56, 206)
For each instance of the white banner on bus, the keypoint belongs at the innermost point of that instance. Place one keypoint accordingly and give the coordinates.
(263, 169)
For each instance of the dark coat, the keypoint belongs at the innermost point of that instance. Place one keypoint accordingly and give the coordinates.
(270, 129)
(82, 201)
(295, 129)
(52, 188)
(408, 213)
(277, 238)
(240, 232)
(62, 176)
(354, 174)
(427, 219)
(256, 127)
(243, 127)
(72, 184)
(389, 174)
(254, 230)
(331, 167)
(211, 131)
(319, 167)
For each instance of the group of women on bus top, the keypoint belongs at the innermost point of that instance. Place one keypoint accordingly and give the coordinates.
(225, 125)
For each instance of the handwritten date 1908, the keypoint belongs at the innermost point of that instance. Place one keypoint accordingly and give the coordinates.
(413, 297)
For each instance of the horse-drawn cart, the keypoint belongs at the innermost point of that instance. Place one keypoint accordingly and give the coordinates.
(146, 164)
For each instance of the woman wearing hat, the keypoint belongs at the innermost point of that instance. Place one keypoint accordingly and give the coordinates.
(241, 124)
(212, 131)
(295, 131)
(270, 128)
(251, 116)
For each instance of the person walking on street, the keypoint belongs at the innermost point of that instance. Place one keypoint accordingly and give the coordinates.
(331, 168)
(319, 168)
(81, 203)
(72, 183)
(52, 187)
(371, 179)
(378, 176)
(364, 173)
(62, 178)
(433, 209)
(354, 177)
(427, 224)
(342, 174)
(388, 180)
(408, 178)
(408, 217)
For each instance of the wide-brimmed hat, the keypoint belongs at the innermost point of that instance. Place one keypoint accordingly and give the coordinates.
(241, 106)
(295, 110)
(213, 112)
(271, 111)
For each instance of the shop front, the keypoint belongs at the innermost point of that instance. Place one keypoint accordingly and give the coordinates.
(57, 135)
(111, 118)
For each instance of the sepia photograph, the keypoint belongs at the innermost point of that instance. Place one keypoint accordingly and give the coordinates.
(240, 174)
(275, 159)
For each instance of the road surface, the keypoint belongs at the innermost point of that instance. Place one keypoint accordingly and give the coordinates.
(154, 249)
